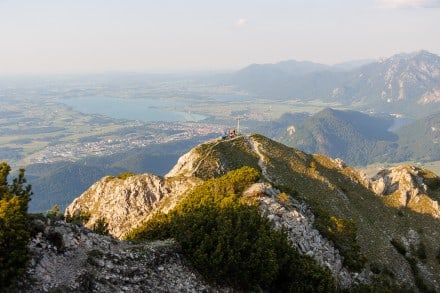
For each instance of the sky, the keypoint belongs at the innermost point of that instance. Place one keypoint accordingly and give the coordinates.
(97, 36)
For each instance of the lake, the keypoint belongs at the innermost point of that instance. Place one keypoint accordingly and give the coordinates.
(146, 110)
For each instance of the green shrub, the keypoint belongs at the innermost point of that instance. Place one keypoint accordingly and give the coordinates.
(78, 219)
(158, 227)
(107, 179)
(56, 239)
(343, 233)
(100, 227)
(125, 175)
(54, 214)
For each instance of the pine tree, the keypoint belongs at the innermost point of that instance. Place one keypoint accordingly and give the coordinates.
(14, 230)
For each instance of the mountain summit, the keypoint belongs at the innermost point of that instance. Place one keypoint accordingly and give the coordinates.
(379, 231)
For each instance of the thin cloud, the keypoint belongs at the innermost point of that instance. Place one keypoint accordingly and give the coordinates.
(409, 3)
(240, 23)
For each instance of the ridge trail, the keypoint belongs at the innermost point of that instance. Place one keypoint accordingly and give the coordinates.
(255, 146)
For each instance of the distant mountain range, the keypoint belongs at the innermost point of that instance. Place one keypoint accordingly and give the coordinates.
(403, 83)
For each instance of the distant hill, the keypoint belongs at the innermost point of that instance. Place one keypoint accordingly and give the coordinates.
(351, 65)
(403, 83)
(288, 79)
(276, 129)
(352, 136)
(420, 140)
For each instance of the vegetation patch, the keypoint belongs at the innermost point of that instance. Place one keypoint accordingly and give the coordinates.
(343, 233)
(107, 179)
(283, 197)
(78, 219)
(100, 227)
(232, 155)
(125, 175)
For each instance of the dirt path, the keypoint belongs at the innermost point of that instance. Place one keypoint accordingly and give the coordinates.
(255, 146)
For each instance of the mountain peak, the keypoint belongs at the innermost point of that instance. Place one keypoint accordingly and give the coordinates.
(421, 54)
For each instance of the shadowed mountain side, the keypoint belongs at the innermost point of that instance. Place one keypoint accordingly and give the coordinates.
(419, 141)
(355, 137)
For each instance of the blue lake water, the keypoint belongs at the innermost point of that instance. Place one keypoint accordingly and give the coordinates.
(147, 110)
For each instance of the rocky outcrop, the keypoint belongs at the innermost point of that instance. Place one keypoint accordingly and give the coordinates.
(186, 165)
(69, 258)
(404, 186)
(124, 204)
(297, 219)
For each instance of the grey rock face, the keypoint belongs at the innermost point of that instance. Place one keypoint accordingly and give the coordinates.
(69, 258)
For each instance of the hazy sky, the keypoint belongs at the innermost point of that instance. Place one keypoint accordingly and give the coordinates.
(79, 36)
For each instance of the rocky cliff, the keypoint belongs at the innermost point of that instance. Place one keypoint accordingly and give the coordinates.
(125, 203)
(389, 222)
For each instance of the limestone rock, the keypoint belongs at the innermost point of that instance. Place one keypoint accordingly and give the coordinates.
(186, 165)
(404, 186)
(124, 204)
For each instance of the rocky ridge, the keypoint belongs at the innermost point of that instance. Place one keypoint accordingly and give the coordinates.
(297, 220)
